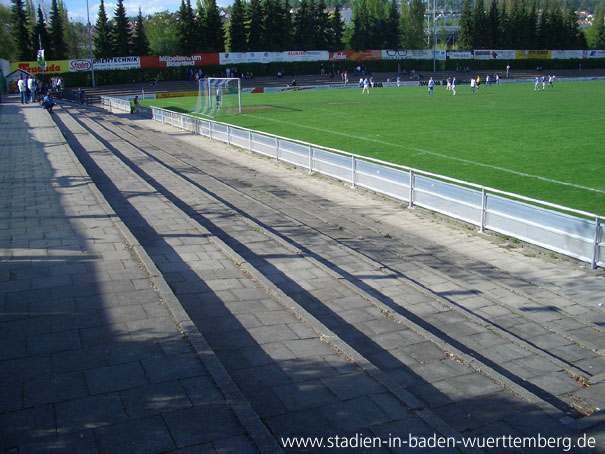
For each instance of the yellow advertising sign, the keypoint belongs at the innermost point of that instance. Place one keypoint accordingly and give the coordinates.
(533, 54)
(176, 94)
(52, 67)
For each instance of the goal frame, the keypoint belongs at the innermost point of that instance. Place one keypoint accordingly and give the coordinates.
(209, 85)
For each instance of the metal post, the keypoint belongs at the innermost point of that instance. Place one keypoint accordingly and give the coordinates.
(310, 159)
(228, 135)
(210, 129)
(595, 248)
(249, 140)
(483, 209)
(353, 169)
(411, 189)
(277, 148)
(92, 65)
(434, 36)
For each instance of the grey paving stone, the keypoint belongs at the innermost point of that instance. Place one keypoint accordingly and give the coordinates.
(32, 424)
(253, 378)
(174, 367)
(354, 414)
(148, 435)
(202, 390)
(304, 348)
(89, 413)
(474, 384)
(301, 396)
(240, 444)
(274, 333)
(51, 388)
(10, 397)
(202, 424)
(115, 378)
(349, 386)
(61, 444)
(154, 399)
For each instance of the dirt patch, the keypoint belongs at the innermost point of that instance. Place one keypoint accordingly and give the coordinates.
(258, 107)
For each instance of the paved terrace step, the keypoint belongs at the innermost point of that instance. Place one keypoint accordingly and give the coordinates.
(91, 358)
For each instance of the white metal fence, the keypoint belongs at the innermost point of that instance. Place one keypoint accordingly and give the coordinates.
(564, 230)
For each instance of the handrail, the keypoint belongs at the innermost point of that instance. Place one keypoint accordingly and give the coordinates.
(216, 130)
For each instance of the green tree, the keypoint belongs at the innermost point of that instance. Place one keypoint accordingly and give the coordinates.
(237, 28)
(467, 23)
(479, 25)
(120, 32)
(255, 31)
(392, 36)
(336, 30)
(8, 47)
(140, 43)
(102, 36)
(321, 26)
(360, 39)
(493, 26)
(187, 29)
(215, 35)
(163, 33)
(75, 34)
(412, 25)
(576, 39)
(596, 33)
(284, 18)
(58, 46)
(22, 36)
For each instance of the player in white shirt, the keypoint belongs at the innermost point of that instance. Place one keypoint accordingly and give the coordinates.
(366, 86)
(431, 85)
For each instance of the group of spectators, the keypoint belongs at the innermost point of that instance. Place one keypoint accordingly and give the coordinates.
(33, 90)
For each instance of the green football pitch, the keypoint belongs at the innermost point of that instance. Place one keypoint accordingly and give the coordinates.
(549, 145)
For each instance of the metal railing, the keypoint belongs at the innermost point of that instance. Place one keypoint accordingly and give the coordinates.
(561, 229)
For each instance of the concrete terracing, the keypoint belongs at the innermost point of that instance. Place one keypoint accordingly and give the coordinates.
(159, 291)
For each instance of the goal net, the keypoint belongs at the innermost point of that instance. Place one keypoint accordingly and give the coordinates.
(218, 96)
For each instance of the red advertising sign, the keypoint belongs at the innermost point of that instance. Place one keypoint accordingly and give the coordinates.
(352, 55)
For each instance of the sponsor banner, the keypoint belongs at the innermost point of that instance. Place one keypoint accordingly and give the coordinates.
(80, 65)
(167, 61)
(595, 53)
(424, 54)
(117, 63)
(568, 54)
(459, 55)
(229, 58)
(352, 55)
(176, 94)
(490, 54)
(533, 54)
(32, 67)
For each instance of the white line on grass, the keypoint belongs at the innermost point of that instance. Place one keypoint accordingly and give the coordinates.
(421, 151)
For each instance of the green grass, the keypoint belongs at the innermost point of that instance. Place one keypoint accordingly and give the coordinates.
(547, 145)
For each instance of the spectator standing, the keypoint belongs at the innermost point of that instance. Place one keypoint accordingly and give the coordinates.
(22, 85)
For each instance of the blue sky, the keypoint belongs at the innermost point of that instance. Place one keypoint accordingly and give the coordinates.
(77, 8)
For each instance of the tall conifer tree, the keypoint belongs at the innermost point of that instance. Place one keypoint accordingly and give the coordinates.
(215, 34)
(140, 43)
(120, 32)
(57, 33)
(237, 28)
(23, 37)
(102, 36)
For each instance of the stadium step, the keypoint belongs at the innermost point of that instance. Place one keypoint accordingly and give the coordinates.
(318, 311)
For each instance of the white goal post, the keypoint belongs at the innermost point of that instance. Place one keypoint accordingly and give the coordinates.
(219, 96)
